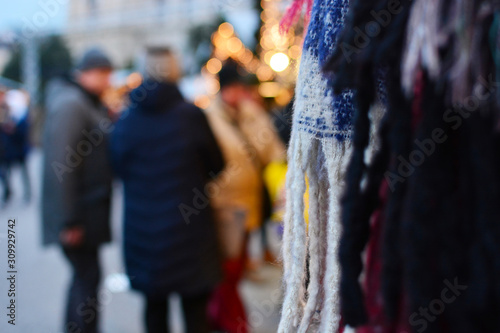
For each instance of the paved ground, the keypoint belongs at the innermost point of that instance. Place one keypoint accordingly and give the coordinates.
(43, 276)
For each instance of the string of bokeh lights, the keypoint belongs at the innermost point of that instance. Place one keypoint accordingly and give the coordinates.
(275, 65)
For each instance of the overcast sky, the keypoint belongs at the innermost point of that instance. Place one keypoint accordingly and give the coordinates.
(43, 14)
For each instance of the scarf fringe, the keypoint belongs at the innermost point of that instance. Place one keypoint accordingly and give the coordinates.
(317, 240)
(294, 242)
(324, 162)
(337, 164)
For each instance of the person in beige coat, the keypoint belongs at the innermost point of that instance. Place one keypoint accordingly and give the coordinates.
(249, 142)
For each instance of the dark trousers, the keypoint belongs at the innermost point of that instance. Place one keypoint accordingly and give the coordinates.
(195, 314)
(82, 307)
(4, 179)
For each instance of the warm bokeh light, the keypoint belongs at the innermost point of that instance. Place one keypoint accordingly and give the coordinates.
(234, 45)
(267, 57)
(218, 40)
(274, 62)
(221, 54)
(269, 89)
(264, 73)
(214, 66)
(202, 102)
(246, 57)
(263, 16)
(295, 52)
(279, 62)
(213, 86)
(284, 97)
(266, 42)
(226, 30)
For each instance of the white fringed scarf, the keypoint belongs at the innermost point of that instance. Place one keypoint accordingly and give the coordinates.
(319, 150)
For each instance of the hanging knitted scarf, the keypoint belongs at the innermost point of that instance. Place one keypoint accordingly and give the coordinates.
(320, 146)
(451, 40)
(440, 218)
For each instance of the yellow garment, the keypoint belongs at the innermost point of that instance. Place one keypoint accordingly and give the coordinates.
(275, 180)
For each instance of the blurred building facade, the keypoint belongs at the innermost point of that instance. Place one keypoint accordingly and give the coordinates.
(124, 27)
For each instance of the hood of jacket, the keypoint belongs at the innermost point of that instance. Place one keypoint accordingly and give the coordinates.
(65, 85)
(153, 96)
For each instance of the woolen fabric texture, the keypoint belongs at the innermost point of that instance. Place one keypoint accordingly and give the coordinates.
(319, 147)
(440, 218)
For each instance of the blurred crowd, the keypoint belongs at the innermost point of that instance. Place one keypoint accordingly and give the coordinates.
(14, 139)
(203, 189)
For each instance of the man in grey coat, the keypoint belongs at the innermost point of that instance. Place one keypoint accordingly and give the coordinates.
(77, 180)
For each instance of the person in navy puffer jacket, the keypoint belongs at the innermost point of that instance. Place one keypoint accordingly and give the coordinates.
(165, 153)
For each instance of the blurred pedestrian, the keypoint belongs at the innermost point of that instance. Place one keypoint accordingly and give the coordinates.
(4, 113)
(16, 138)
(77, 180)
(249, 142)
(165, 153)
